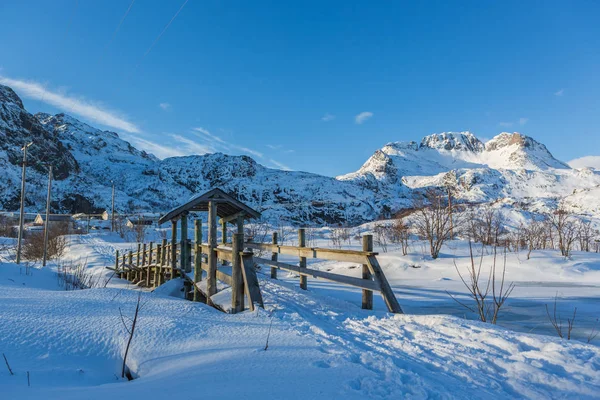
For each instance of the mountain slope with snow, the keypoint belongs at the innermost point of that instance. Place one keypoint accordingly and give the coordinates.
(87, 161)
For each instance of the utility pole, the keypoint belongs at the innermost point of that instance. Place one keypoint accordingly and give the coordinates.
(112, 218)
(22, 214)
(47, 224)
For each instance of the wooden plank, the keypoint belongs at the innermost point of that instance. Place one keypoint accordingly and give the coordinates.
(251, 282)
(344, 279)
(367, 295)
(302, 263)
(150, 262)
(183, 258)
(386, 289)
(197, 257)
(314, 252)
(237, 278)
(223, 253)
(221, 276)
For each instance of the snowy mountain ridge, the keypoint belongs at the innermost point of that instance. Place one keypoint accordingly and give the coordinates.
(510, 167)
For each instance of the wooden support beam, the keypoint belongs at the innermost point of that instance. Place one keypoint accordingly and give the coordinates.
(237, 277)
(234, 217)
(157, 270)
(183, 252)
(162, 263)
(130, 261)
(302, 263)
(211, 278)
(274, 257)
(315, 273)
(197, 257)
(240, 223)
(173, 248)
(367, 295)
(251, 282)
(386, 290)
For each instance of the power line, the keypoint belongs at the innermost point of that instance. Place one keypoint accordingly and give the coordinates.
(161, 34)
(114, 35)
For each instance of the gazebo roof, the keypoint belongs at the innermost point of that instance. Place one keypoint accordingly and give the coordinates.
(227, 207)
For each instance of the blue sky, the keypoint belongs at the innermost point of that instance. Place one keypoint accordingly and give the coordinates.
(312, 85)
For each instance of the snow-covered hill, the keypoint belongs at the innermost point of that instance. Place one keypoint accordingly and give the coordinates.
(86, 161)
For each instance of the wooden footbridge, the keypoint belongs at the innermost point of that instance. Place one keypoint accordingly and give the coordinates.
(212, 271)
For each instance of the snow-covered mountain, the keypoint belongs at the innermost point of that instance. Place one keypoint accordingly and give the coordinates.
(511, 167)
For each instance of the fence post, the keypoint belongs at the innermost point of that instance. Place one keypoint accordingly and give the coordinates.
(274, 257)
(367, 295)
(302, 263)
(149, 270)
(117, 264)
(157, 269)
(237, 277)
(130, 262)
(137, 259)
(197, 257)
(163, 257)
(140, 272)
(183, 258)
(123, 262)
(173, 248)
(211, 284)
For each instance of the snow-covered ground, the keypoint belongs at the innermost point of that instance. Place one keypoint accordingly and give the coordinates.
(321, 344)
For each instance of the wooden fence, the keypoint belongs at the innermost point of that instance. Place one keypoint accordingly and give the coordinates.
(152, 265)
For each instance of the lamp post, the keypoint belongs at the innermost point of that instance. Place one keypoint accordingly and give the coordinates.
(22, 213)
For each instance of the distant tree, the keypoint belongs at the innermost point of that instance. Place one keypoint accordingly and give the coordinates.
(401, 234)
(534, 235)
(566, 229)
(434, 219)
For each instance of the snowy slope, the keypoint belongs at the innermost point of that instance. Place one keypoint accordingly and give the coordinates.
(320, 346)
(511, 167)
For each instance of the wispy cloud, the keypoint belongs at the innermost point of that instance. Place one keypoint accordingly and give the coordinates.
(79, 106)
(280, 165)
(560, 92)
(523, 121)
(159, 150)
(165, 106)
(362, 117)
(505, 124)
(275, 146)
(327, 117)
(191, 146)
(207, 133)
(249, 151)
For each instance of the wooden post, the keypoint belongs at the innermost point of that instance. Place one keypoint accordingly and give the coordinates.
(137, 260)
(212, 254)
(140, 272)
(240, 224)
(224, 237)
(130, 262)
(386, 290)
(163, 258)
(274, 257)
(237, 277)
(251, 282)
(149, 271)
(367, 295)
(173, 248)
(157, 269)
(183, 259)
(117, 264)
(302, 264)
(197, 257)
(123, 261)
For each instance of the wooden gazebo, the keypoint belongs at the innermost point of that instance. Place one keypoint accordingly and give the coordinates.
(218, 204)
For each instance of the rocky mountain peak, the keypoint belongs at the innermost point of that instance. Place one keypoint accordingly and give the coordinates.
(7, 95)
(463, 141)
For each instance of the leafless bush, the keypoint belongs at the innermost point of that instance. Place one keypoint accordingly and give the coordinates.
(557, 323)
(400, 233)
(381, 236)
(435, 220)
(534, 235)
(565, 228)
(6, 227)
(585, 234)
(33, 247)
(72, 276)
(479, 291)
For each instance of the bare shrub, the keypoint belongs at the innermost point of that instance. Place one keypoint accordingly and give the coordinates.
(585, 234)
(557, 323)
(486, 309)
(434, 220)
(33, 248)
(400, 234)
(565, 227)
(381, 236)
(73, 276)
(535, 236)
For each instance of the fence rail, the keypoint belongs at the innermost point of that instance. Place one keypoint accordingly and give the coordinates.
(153, 265)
